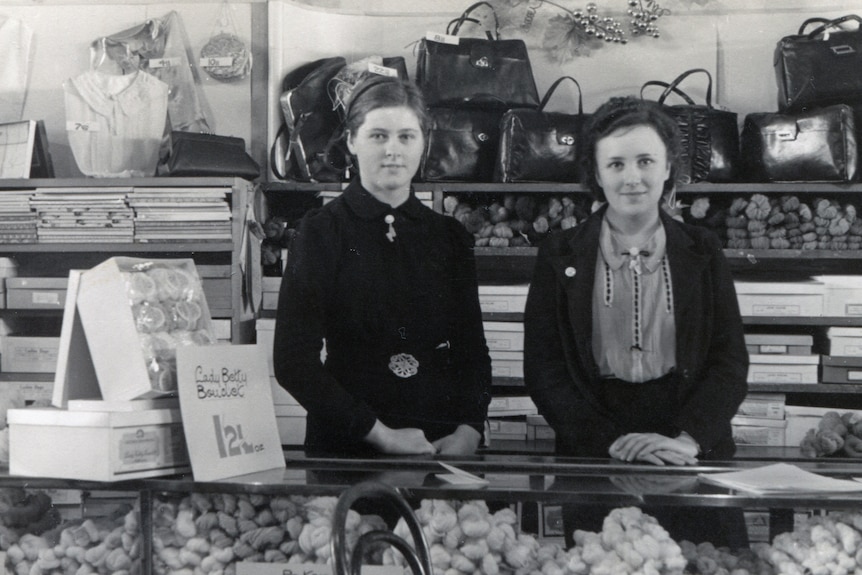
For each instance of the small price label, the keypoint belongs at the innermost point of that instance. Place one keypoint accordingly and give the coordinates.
(82, 127)
(442, 38)
(382, 70)
(163, 62)
(219, 62)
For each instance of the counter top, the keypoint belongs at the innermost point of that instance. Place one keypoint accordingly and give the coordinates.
(511, 477)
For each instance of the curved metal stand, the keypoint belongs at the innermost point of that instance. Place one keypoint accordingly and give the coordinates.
(418, 557)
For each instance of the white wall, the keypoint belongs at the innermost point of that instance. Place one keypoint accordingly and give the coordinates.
(62, 33)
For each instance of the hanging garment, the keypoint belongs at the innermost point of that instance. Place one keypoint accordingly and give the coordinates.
(15, 44)
(115, 123)
(160, 47)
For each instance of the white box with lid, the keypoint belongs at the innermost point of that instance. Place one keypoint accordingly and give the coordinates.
(782, 299)
(845, 341)
(783, 368)
(843, 295)
(504, 335)
(96, 445)
(503, 298)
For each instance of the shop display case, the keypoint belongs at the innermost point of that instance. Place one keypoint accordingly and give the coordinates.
(168, 524)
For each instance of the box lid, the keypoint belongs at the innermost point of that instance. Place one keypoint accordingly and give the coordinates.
(758, 421)
(504, 289)
(65, 418)
(842, 361)
(507, 355)
(800, 287)
(851, 282)
(264, 324)
(36, 283)
(772, 358)
(514, 326)
(778, 339)
(844, 332)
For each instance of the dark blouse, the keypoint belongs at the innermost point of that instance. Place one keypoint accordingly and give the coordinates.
(371, 299)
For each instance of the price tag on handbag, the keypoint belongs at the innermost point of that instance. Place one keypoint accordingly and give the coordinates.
(155, 63)
(442, 38)
(82, 127)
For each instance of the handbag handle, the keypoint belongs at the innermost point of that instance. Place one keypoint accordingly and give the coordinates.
(672, 86)
(553, 87)
(826, 24)
(676, 91)
(464, 18)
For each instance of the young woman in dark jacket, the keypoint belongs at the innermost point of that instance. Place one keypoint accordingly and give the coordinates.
(634, 345)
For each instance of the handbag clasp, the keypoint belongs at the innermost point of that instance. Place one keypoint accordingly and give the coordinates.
(842, 50)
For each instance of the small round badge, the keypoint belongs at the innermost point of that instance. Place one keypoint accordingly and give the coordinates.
(570, 272)
(389, 219)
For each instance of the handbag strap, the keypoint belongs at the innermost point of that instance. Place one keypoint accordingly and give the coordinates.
(672, 86)
(825, 24)
(688, 99)
(553, 87)
(465, 18)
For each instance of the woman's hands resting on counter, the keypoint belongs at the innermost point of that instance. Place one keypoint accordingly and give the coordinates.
(656, 449)
(411, 441)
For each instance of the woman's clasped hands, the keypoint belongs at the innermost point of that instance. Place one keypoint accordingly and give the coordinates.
(411, 441)
(655, 448)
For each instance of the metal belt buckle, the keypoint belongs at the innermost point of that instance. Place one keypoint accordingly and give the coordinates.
(403, 365)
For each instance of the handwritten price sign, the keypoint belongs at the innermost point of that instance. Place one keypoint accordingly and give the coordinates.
(227, 408)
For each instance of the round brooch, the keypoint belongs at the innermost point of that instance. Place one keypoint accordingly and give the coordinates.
(403, 365)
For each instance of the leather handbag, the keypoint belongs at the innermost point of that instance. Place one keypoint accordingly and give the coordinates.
(817, 145)
(820, 67)
(196, 154)
(314, 151)
(461, 145)
(710, 136)
(539, 146)
(459, 71)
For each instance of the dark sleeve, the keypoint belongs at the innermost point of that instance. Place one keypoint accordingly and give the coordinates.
(300, 330)
(474, 393)
(558, 391)
(721, 381)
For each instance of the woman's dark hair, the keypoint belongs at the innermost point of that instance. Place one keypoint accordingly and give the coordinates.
(627, 112)
(383, 92)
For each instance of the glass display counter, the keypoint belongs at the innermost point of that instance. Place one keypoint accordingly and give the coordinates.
(177, 525)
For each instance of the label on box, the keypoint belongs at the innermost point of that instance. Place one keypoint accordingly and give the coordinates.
(776, 378)
(775, 309)
(854, 376)
(46, 298)
(149, 447)
(853, 309)
(773, 349)
(227, 409)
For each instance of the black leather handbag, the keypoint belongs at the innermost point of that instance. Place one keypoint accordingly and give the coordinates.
(314, 151)
(539, 146)
(195, 154)
(456, 71)
(462, 145)
(821, 67)
(817, 145)
(710, 136)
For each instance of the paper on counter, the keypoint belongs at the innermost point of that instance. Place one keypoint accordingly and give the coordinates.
(780, 479)
(462, 478)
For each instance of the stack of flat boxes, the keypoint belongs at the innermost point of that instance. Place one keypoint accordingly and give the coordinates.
(289, 415)
(843, 364)
(502, 309)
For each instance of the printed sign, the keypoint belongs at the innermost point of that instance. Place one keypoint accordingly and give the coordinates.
(228, 412)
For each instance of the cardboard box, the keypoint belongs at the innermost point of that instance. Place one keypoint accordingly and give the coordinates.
(838, 369)
(504, 335)
(503, 298)
(291, 424)
(35, 293)
(783, 368)
(507, 364)
(29, 386)
(786, 344)
(782, 299)
(135, 357)
(843, 296)
(845, 341)
(758, 431)
(763, 405)
(270, 287)
(264, 330)
(99, 446)
(29, 354)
